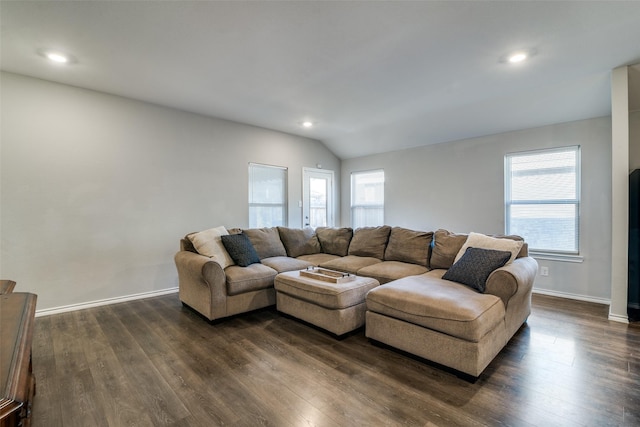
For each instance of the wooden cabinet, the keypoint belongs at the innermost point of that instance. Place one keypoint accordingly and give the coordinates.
(17, 383)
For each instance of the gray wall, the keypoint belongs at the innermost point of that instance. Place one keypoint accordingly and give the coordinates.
(96, 190)
(460, 186)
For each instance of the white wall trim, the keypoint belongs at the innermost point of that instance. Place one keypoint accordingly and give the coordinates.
(106, 301)
(619, 191)
(567, 295)
(613, 317)
(556, 257)
(618, 318)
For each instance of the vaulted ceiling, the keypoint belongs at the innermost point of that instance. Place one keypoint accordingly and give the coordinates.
(372, 76)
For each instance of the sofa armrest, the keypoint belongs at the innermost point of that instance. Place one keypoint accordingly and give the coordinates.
(202, 284)
(512, 279)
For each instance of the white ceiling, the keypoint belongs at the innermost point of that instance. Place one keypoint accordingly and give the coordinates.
(374, 76)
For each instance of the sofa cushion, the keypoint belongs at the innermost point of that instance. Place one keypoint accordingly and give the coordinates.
(445, 247)
(386, 271)
(350, 263)
(266, 241)
(299, 242)
(187, 245)
(477, 240)
(240, 249)
(335, 241)
(475, 266)
(285, 263)
(246, 279)
(370, 241)
(317, 259)
(524, 250)
(209, 243)
(437, 304)
(409, 246)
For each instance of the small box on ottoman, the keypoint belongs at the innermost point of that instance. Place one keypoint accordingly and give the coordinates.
(336, 307)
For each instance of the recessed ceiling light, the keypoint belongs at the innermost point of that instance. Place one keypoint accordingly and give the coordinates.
(57, 56)
(517, 57)
(307, 124)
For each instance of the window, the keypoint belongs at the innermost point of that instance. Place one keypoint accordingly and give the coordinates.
(367, 198)
(542, 198)
(267, 196)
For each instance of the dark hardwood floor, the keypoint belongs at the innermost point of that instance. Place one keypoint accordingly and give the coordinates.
(154, 363)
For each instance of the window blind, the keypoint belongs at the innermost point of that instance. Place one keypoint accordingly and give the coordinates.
(542, 198)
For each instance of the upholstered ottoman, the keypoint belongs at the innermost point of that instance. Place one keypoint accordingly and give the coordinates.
(337, 307)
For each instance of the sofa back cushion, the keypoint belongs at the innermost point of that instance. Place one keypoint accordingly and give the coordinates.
(524, 250)
(335, 241)
(446, 245)
(186, 244)
(266, 242)
(209, 243)
(409, 246)
(299, 242)
(370, 241)
(477, 240)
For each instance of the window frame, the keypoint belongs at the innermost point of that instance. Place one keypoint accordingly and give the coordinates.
(547, 253)
(353, 193)
(285, 190)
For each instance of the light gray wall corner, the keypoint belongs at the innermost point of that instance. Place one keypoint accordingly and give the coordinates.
(98, 189)
(460, 186)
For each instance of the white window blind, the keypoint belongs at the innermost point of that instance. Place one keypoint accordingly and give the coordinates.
(267, 196)
(542, 199)
(367, 198)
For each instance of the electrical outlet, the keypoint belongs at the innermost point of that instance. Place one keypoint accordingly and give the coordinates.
(544, 271)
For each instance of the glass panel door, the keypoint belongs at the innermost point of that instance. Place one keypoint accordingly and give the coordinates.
(317, 198)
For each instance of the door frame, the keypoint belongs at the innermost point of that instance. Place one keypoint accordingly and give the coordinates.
(330, 194)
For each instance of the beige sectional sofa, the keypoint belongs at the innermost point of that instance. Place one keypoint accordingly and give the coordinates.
(448, 322)
(415, 309)
(216, 291)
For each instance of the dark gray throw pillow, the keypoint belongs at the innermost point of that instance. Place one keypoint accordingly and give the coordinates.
(475, 266)
(240, 249)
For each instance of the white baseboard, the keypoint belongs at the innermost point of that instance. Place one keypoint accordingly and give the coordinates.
(106, 301)
(618, 318)
(604, 301)
(567, 295)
